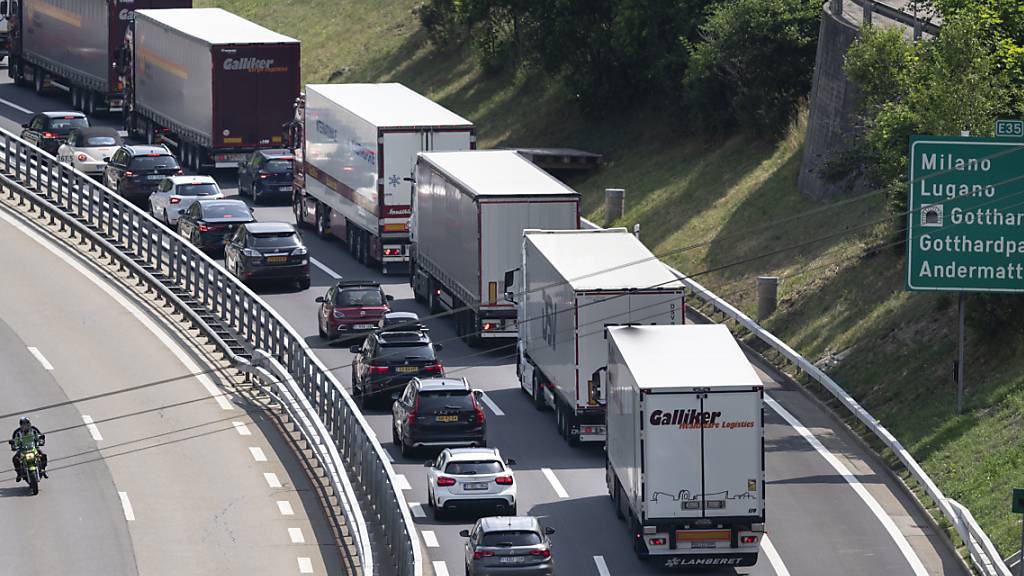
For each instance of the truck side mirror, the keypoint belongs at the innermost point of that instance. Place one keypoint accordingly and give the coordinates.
(596, 386)
(509, 282)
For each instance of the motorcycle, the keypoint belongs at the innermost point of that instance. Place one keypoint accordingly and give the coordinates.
(29, 466)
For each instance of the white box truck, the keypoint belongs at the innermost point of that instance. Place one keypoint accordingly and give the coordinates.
(469, 213)
(573, 284)
(359, 148)
(685, 444)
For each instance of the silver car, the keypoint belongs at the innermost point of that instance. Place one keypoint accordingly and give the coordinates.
(508, 545)
(175, 194)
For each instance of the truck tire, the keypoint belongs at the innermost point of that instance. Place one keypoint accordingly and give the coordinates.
(538, 392)
(322, 219)
(617, 499)
(298, 211)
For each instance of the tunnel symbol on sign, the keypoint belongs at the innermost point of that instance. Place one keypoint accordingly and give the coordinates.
(931, 215)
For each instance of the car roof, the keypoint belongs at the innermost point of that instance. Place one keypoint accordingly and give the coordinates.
(192, 179)
(501, 523)
(276, 152)
(97, 131)
(404, 336)
(211, 202)
(470, 454)
(269, 227)
(435, 384)
(138, 149)
(410, 316)
(357, 284)
(62, 114)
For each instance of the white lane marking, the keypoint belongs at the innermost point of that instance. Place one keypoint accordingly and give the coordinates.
(15, 106)
(131, 308)
(401, 482)
(272, 479)
(285, 508)
(324, 268)
(440, 568)
(602, 568)
(257, 454)
(430, 539)
(559, 489)
(305, 565)
(773, 557)
(93, 430)
(417, 510)
(296, 535)
(39, 356)
(490, 404)
(242, 429)
(894, 532)
(129, 512)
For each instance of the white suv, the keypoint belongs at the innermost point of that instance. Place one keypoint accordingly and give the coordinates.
(471, 478)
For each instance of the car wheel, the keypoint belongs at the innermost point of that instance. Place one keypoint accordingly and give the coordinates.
(406, 449)
(395, 438)
(304, 283)
(255, 193)
(467, 569)
(439, 512)
(513, 510)
(320, 329)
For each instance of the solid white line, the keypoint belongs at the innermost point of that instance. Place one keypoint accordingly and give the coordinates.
(602, 568)
(272, 479)
(773, 557)
(129, 513)
(296, 535)
(894, 532)
(559, 489)
(285, 508)
(440, 568)
(305, 565)
(242, 429)
(15, 106)
(257, 454)
(401, 482)
(93, 430)
(417, 510)
(132, 308)
(490, 404)
(324, 268)
(430, 539)
(39, 356)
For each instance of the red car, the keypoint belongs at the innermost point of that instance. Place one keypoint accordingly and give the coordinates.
(352, 309)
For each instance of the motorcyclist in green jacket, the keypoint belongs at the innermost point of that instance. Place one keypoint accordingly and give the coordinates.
(27, 436)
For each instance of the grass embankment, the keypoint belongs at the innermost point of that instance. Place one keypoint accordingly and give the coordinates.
(704, 207)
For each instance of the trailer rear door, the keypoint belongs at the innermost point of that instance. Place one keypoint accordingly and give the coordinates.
(672, 483)
(733, 464)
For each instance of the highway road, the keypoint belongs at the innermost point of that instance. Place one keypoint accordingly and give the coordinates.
(831, 508)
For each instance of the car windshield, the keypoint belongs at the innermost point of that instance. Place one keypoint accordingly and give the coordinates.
(360, 297)
(482, 467)
(454, 400)
(153, 162)
(510, 538)
(277, 166)
(411, 350)
(275, 240)
(226, 211)
(98, 141)
(196, 189)
(66, 124)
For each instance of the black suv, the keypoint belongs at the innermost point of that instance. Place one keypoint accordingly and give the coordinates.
(438, 412)
(386, 361)
(266, 174)
(267, 251)
(134, 172)
(208, 224)
(48, 130)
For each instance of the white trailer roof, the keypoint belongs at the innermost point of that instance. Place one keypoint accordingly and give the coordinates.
(680, 357)
(389, 105)
(610, 259)
(496, 173)
(215, 26)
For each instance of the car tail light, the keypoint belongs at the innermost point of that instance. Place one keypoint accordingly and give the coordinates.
(657, 541)
(180, 172)
(481, 553)
(476, 408)
(412, 413)
(128, 173)
(379, 369)
(504, 480)
(545, 553)
(445, 481)
(82, 157)
(392, 251)
(175, 200)
(488, 326)
(264, 175)
(204, 228)
(748, 540)
(49, 135)
(434, 368)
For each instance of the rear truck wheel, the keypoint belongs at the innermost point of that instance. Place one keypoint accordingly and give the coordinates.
(570, 423)
(300, 222)
(538, 392)
(323, 218)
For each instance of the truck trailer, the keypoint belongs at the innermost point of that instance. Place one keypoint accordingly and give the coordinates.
(211, 85)
(74, 46)
(685, 453)
(469, 213)
(571, 285)
(359, 146)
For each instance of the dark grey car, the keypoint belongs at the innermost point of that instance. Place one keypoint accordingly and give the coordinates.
(509, 545)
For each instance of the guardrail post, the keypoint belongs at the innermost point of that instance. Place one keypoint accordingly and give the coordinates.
(869, 9)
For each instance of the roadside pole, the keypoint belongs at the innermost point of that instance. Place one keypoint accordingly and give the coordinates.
(1018, 508)
(960, 358)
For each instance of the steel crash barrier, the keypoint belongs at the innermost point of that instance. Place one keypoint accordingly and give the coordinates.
(982, 552)
(250, 333)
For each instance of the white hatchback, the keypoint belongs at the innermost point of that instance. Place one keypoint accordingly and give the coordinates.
(89, 149)
(175, 194)
(471, 478)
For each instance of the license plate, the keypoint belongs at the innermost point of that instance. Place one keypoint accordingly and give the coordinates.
(510, 560)
(447, 418)
(475, 486)
(286, 188)
(277, 259)
(156, 177)
(410, 369)
(371, 327)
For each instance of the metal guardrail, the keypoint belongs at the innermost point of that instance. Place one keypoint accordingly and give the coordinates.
(870, 7)
(226, 311)
(983, 553)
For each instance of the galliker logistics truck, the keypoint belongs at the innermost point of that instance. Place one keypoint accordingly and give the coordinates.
(73, 46)
(359, 146)
(211, 85)
(571, 285)
(469, 214)
(685, 446)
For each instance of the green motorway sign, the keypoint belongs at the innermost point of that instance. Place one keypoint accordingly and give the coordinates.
(966, 221)
(1010, 129)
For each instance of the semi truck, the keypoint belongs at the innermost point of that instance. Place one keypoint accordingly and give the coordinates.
(211, 85)
(685, 452)
(74, 46)
(568, 287)
(359, 146)
(469, 213)
(6, 12)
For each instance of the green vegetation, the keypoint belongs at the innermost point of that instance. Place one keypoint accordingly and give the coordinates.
(704, 204)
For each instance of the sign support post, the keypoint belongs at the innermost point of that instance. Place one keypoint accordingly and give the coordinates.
(960, 357)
